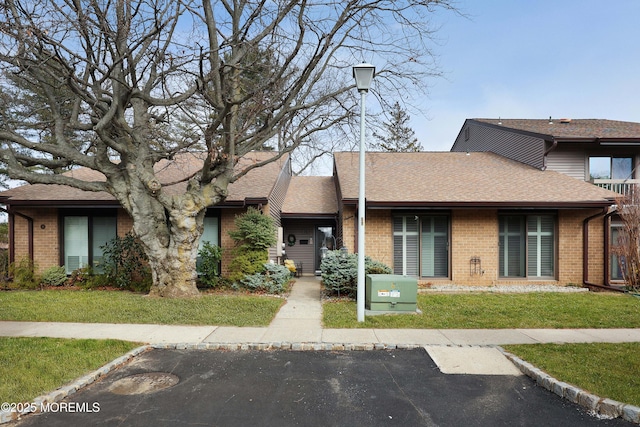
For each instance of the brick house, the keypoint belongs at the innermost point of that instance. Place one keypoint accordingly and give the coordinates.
(605, 153)
(477, 218)
(474, 218)
(60, 225)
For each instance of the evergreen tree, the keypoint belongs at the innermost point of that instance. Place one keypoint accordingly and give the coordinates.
(398, 136)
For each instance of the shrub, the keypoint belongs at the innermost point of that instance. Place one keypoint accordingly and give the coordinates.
(340, 272)
(210, 256)
(254, 230)
(86, 278)
(254, 234)
(24, 274)
(54, 276)
(126, 264)
(273, 279)
(4, 267)
(247, 262)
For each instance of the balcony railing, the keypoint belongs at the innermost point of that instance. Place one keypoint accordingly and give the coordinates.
(620, 186)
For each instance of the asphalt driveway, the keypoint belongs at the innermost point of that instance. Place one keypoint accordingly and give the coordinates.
(310, 388)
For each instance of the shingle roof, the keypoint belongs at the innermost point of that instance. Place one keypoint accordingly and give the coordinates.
(574, 128)
(461, 179)
(257, 184)
(311, 195)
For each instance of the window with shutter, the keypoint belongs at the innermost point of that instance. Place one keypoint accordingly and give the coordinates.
(537, 239)
(405, 245)
(421, 245)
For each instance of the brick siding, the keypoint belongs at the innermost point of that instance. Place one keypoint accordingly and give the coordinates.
(474, 233)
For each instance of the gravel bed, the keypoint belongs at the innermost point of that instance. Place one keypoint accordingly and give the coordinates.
(502, 288)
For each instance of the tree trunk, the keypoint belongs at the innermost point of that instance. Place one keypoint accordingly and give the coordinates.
(170, 230)
(174, 276)
(173, 265)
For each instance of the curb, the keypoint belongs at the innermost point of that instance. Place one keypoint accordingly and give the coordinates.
(69, 389)
(600, 407)
(597, 406)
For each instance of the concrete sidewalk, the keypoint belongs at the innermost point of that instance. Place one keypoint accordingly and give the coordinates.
(469, 353)
(300, 321)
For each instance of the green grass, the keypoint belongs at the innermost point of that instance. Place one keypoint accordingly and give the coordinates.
(30, 367)
(126, 307)
(500, 311)
(606, 370)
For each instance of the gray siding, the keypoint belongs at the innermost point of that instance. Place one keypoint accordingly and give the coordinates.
(279, 192)
(276, 199)
(568, 162)
(523, 148)
(303, 230)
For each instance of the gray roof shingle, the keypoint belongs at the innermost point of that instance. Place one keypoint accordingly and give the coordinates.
(459, 179)
(311, 195)
(575, 128)
(258, 183)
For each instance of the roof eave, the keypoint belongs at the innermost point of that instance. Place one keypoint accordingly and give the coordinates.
(482, 204)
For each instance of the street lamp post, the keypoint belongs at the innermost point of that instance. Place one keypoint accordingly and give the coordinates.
(363, 73)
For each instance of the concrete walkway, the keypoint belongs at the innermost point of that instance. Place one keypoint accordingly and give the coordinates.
(299, 321)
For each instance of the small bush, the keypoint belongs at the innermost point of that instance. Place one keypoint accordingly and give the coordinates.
(54, 276)
(340, 272)
(86, 278)
(126, 264)
(273, 279)
(247, 262)
(210, 256)
(24, 274)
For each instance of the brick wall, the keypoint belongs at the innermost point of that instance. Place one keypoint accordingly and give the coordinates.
(475, 234)
(46, 248)
(227, 218)
(124, 224)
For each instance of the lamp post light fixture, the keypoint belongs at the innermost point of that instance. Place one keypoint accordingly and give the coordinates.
(363, 73)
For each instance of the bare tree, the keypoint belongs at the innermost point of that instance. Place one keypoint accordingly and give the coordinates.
(627, 246)
(140, 81)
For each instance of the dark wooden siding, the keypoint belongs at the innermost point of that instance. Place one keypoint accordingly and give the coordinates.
(523, 148)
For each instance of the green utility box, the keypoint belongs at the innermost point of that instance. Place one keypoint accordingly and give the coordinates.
(391, 292)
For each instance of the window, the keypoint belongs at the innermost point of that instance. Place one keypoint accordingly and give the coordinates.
(421, 245)
(84, 237)
(615, 270)
(610, 167)
(210, 234)
(527, 246)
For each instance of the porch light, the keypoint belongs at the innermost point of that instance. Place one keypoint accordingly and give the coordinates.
(363, 73)
(323, 251)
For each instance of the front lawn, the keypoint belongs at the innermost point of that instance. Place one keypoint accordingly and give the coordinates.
(499, 311)
(606, 370)
(31, 367)
(126, 307)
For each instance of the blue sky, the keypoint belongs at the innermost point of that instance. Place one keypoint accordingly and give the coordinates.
(533, 59)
